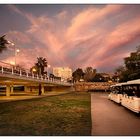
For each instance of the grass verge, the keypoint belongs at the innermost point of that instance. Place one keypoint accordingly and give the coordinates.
(62, 115)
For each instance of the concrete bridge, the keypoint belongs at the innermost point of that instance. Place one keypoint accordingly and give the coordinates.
(10, 76)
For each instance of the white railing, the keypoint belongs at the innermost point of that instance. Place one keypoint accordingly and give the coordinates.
(6, 68)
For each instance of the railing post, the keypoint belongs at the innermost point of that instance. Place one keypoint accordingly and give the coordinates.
(20, 73)
(12, 70)
(27, 74)
(2, 69)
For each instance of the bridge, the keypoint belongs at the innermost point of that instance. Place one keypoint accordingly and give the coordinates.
(11, 76)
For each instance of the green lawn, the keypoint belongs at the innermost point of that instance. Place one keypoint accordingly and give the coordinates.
(62, 115)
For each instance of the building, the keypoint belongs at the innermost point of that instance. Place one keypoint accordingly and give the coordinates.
(107, 76)
(64, 72)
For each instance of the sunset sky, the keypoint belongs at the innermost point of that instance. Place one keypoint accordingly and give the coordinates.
(71, 35)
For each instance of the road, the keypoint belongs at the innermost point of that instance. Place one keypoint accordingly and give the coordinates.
(110, 119)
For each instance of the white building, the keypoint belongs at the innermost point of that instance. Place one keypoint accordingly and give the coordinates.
(63, 72)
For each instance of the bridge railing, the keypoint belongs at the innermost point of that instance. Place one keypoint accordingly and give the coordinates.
(6, 68)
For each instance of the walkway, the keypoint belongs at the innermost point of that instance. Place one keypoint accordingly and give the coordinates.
(108, 118)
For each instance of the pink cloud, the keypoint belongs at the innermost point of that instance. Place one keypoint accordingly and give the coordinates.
(62, 15)
(120, 36)
(17, 36)
(80, 43)
(88, 18)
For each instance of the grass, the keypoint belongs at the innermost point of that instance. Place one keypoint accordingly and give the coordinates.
(62, 115)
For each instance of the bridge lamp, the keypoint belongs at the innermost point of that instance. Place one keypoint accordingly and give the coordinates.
(33, 70)
(12, 62)
(17, 50)
(11, 43)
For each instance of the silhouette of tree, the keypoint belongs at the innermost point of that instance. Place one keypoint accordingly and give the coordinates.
(40, 65)
(131, 70)
(98, 78)
(3, 43)
(77, 75)
(89, 74)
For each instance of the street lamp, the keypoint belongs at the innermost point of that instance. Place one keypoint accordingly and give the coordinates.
(33, 70)
(118, 79)
(48, 69)
(16, 51)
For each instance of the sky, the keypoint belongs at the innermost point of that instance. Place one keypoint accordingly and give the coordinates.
(100, 36)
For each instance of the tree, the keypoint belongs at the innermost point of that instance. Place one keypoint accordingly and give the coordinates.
(89, 74)
(118, 74)
(98, 78)
(131, 70)
(40, 65)
(77, 75)
(3, 43)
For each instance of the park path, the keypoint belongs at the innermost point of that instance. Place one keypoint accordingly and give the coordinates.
(108, 118)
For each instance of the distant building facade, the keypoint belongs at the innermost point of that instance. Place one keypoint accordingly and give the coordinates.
(63, 72)
(107, 76)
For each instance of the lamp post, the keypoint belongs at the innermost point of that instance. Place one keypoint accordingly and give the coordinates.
(16, 51)
(48, 70)
(33, 72)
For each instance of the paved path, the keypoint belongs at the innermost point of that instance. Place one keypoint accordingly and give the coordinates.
(108, 118)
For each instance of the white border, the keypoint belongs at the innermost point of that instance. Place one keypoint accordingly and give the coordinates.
(70, 2)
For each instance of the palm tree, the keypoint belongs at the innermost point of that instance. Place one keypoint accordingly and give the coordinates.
(3, 43)
(41, 64)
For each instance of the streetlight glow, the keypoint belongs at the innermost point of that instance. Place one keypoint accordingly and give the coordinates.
(17, 50)
(11, 43)
(34, 70)
(12, 62)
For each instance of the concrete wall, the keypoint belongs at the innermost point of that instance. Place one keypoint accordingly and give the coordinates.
(94, 86)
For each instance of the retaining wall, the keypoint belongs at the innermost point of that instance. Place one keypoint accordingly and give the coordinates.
(93, 86)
